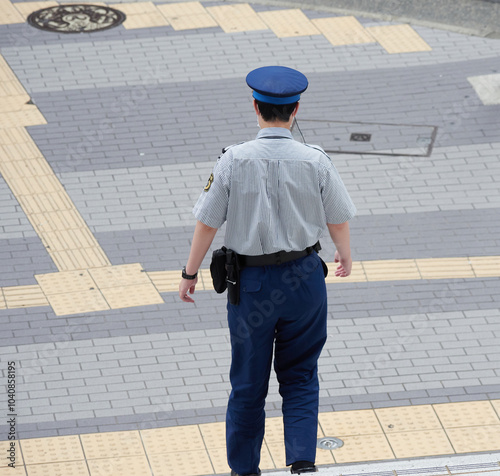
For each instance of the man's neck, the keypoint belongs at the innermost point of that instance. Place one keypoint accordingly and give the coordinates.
(284, 125)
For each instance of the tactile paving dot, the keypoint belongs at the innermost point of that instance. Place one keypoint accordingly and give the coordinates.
(52, 449)
(274, 430)
(132, 296)
(73, 468)
(234, 18)
(16, 471)
(214, 434)
(277, 452)
(398, 38)
(136, 8)
(478, 438)
(6, 445)
(288, 23)
(75, 303)
(278, 455)
(343, 30)
(363, 448)
(461, 414)
(185, 463)
(409, 444)
(145, 20)
(113, 444)
(496, 406)
(349, 423)
(173, 439)
(418, 417)
(119, 276)
(134, 465)
(189, 15)
(10, 14)
(325, 456)
(218, 458)
(28, 7)
(65, 282)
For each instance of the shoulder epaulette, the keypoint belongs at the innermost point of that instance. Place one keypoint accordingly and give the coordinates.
(225, 149)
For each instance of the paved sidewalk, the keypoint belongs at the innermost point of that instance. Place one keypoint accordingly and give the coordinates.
(107, 139)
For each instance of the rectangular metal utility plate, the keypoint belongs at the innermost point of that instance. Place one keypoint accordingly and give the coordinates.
(367, 137)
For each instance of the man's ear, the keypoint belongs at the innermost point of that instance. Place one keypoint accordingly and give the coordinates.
(296, 109)
(256, 107)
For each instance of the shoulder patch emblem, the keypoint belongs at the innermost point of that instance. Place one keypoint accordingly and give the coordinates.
(209, 183)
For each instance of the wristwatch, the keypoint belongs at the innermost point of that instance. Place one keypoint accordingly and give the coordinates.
(188, 276)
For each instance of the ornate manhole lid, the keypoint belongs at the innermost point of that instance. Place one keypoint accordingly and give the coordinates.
(76, 18)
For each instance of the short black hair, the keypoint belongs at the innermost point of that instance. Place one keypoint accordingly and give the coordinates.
(275, 112)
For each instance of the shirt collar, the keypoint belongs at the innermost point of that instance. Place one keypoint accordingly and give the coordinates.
(274, 131)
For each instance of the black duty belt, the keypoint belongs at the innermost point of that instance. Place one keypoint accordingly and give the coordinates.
(276, 258)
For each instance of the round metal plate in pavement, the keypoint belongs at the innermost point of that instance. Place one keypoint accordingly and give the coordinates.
(76, 18)
(329, 443)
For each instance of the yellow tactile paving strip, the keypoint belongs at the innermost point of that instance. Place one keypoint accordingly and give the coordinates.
(341, 31)
(96, 285)
(368, 435)
(62, 230)
(9, 13)
(29, 7)
(141, 15)
(287, 23)
(115, 287)
(399, 39)
(98, 289)
(187, 16)
(237, 18)
(24, 296)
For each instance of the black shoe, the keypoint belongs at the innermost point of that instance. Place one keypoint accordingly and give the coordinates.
(234, 473)
(300, 467)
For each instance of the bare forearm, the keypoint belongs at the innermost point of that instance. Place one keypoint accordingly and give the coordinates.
(341, 237)
(202, 239)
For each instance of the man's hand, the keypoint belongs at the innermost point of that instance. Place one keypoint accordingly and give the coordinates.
(187, 285)
(345, 266)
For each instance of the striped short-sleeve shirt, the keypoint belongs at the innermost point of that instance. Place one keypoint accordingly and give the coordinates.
(275, 194)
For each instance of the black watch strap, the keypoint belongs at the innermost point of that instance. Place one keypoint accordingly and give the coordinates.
(188, 276)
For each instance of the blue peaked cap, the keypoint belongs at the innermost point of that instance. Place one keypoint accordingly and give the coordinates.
(277, 84)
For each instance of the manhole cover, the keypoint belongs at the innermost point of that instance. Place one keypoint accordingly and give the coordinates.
(358, 137)
(329, 443)
(76, 18)
(344, 137)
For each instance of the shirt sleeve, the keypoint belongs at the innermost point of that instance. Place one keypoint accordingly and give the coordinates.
(211, 207)
(337, 203)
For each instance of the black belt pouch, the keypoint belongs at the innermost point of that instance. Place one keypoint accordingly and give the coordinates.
(325, 267)
(218, 270)
(233, 277)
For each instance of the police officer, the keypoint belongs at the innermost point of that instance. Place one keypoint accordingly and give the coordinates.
(278, 196)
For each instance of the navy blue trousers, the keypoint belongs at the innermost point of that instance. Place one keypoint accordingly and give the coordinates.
(284, 306)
